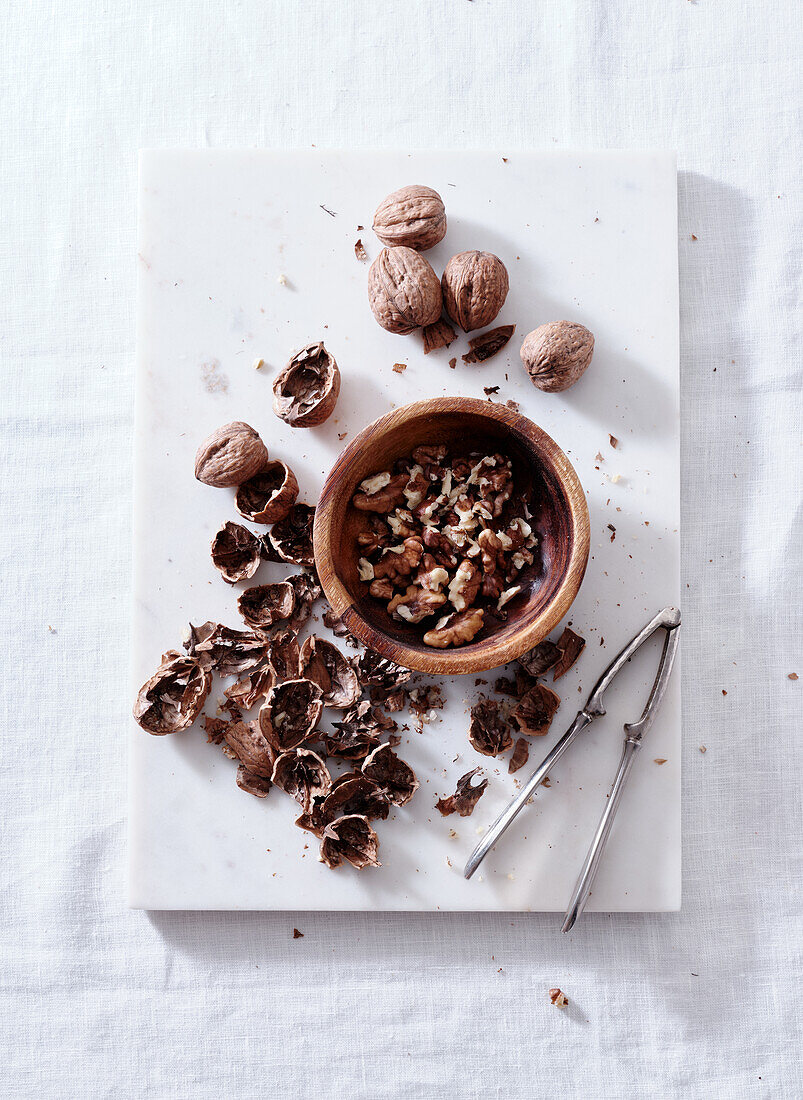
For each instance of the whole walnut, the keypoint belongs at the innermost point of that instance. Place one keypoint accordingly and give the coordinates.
(230, 456)
(475, 285)
(557, 354)
(412, 216)
(403, 291)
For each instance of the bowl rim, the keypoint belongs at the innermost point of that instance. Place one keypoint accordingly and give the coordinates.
(488, 654)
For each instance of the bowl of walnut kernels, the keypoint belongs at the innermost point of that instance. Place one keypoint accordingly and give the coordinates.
(451, 536)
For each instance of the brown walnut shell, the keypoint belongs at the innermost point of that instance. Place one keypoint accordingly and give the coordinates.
(413, 216)
(403, 291)
(235, 552)
(266, 604)
(392, 774)
(475, 285)
(225, 651)
(173, 697)
(270, 495)
(325, 665)
(306, 391)
(303, 775)
(351, 838)
(355, 794)
(291, 538)
(290, 714)
(557, 354)
(465, 797)
(230, 456)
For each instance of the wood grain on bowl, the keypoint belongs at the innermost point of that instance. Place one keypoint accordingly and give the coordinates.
(560, 520)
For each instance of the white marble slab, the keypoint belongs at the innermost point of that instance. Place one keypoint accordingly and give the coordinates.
(586, 236)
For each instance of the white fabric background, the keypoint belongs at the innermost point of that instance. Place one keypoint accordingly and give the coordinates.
(99, 1001)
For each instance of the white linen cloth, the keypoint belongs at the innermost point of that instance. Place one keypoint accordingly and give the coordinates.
(102, 1002)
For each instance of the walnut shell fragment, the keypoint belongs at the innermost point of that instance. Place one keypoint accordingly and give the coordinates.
(270, 495)
(356, 795)
(247, 692)
(571, 645)
(291, 538)
(230, 456)
(413, 216)
(307, 590)
(403, 291)
(378, 672)
(535, 710)
(350, 838)
(357, 733)
(303, 775)
(540, 659)
(475, 285)
(392, 774)
(225, 651)
(290, 713)
(266, 604)
(466, 796)
(242, 741)
(489, 730)
(557, 354)
(305, 392)
(172, 698)
(324, 664)
(251, 783)
(519, 756)
(235, 552)
(284, 656)
(438, 335)
(487, 345)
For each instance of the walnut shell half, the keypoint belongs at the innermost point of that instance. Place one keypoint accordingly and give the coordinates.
(270, 495)
(403, 291)
(413, 216)
(325, 665)
(235, 552)
(306, 391)
(230, 456)
(475, 285)
(290, 714)
(173, 697)
(557, 354)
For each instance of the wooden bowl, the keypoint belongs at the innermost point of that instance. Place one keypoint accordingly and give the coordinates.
(560, 519)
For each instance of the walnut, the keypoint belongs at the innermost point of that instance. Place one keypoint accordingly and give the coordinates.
(489, 731)
(266, 604)
(571, 645)
(270, 495)
(540, 659)
(490, 546)
(466, 796)
(557, 354)
(350, 838)
(375, 536)
(230, 456)
(290, 713)
(456, 629)
(416, 604)
(235, 552)
(325, 665)
(306, 391)
(465, 585)
(307, 590)
(430, 575)
(381, 493)
(399, 561)
(403, 291)
(534, 711)
(225, 651)
(488, 344)
(429, 454)
(172, 698)
(291, 538)
(391, 773)
(413, 216)
(303, 775)
(475, 285)
(355, 795)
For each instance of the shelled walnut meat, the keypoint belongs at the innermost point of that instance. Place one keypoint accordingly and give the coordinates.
(305, 392)
(446, 541)
(475, 286)
(413, 216)
(557, 354)
(403, 291)
(230, 456)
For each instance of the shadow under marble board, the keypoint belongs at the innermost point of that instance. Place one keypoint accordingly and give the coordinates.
(250, 254)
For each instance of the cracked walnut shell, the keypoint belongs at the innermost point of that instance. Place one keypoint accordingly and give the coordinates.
(270, 495)
(290, 714)
(557, 354)
(413, 216)
(303, 775)
(172, 698)
(230, 456)
(305, 392)
(266, 604)
(235, 552)
(351, 838)
(325, 665)
(475, 285)
(403, 291)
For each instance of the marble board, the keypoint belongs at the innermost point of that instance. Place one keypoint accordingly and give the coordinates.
(250, 254)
